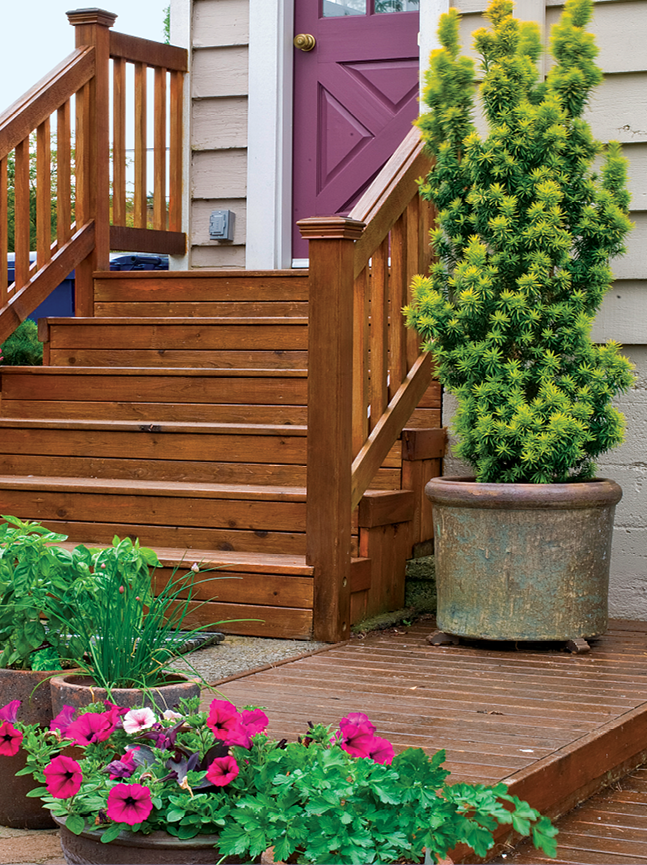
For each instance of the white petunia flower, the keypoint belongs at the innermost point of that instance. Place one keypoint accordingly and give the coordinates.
(170, 715)
(139, 719)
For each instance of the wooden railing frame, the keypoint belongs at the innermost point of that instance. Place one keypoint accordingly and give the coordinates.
(85, 246)
(346, 446)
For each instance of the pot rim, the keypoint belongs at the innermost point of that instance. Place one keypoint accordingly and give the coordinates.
(466, 492)
(66, 680)
(137, 839)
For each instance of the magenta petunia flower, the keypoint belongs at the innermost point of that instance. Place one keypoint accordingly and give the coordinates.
(10, 739)
(63, 720)
(223, 718)
(222, 771)
(381, 750)
(63, 777)
(357, 732)
(92, 727)
(129, 803)
(254, 721)
(10, 711)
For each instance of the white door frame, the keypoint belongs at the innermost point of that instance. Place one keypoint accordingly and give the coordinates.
(269, 131)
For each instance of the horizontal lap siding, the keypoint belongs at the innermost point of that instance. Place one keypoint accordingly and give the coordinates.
(219, 128)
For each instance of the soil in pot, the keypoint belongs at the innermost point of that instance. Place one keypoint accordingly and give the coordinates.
(32, 688)
(80, 691)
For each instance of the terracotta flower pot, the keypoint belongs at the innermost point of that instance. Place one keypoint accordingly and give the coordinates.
(79, 691)
(16, 809)
(522, 561)
(129, 848)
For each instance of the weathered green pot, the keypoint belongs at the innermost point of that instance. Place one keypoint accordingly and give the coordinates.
(522, 561)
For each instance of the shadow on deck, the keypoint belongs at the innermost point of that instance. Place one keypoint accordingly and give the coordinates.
(555, 727)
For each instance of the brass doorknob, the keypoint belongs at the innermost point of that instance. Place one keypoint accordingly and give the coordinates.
(304, 42)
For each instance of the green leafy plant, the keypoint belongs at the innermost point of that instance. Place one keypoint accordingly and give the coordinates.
(22, 348)
(31, 569)
(335, 796)
(523, 238)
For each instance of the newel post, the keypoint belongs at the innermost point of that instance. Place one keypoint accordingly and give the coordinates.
(92, 28)
(330, 369)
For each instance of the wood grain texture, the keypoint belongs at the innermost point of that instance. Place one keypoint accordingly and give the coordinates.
(4, 232)
(138, 50)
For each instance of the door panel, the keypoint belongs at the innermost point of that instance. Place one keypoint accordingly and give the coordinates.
(355, 96)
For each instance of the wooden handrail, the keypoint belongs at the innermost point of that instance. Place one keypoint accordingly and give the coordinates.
(74, 100)
(366, 371)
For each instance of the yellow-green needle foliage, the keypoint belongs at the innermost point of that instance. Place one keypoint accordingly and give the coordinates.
(523, 238)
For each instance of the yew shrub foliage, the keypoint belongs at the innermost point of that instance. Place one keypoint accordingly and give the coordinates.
(523, 238)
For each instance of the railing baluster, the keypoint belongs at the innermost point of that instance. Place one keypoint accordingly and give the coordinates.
(63, 175)
(413, 340)
(176, 143)
(43, 194)
(119, 142)
(398, 298)
(22, 222)
(360, 360)
(159, 199)
(4, 232)
(81, 155)
(140, 146)
(378, 332)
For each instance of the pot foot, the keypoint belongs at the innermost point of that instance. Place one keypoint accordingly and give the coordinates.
(440, 638)
(578, 646)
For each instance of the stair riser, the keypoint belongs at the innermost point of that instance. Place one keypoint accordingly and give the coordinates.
(144, 411)
(283, 623)
(154, 446)
(169, 470)
(180, 359)
(183, 537)
(196, 287)
(273, 590)
(157, 389)
(158, 510)
(201, 309)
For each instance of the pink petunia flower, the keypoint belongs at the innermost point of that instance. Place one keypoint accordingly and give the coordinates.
(63, 720)
(10, 739)
(223, 718)
(63, 777)
(129, 803)
(92, 727)
(254, 721)
(381, 750)
(10, 711)
(139, 719)
(222, 771)
(357, 732)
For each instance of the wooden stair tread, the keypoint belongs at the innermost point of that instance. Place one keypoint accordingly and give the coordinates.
(174, 489)
(155, 427)
(153, 371)
(258, 563)
(142, 321)
(222, 275)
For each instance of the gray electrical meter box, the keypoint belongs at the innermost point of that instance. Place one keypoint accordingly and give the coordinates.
(221, 225)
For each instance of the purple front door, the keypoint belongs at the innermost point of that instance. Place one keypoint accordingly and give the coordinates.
(355, 96)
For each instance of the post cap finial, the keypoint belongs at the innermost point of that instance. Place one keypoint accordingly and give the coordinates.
(91, 16)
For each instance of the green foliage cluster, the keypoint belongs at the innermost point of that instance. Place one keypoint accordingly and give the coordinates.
(523, 238)
(22, 348)
(88, 608)
(310, 800)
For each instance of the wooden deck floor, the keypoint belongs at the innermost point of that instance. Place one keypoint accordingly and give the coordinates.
(556, 727)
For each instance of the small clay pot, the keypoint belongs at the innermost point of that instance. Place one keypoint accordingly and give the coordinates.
(32, 688)
(79, 690)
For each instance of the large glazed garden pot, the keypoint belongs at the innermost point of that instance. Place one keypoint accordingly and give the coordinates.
(78, 690)
(129, 848)
(522, 561)
(32, 688)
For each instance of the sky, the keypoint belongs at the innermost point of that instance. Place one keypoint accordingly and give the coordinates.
(36, 36)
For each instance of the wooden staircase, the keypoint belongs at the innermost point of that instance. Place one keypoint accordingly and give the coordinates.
(177, 414)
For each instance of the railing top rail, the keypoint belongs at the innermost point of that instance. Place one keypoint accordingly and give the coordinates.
(138, 50)
(386, 198)
(38, 103)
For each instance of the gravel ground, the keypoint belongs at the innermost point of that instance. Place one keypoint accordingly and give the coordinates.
(239, 654)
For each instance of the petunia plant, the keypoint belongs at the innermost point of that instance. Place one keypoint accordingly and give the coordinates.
(527, 224)
(336, 795)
